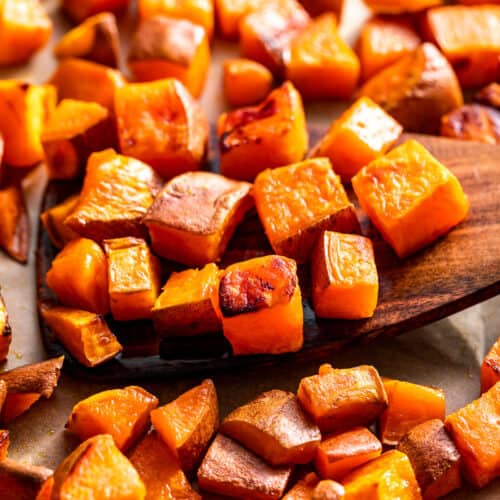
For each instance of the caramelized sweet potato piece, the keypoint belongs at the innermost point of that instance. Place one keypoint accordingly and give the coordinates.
(434, 458)
(405, 187)
(160, 471)
(261, 306)
(303, 489)
(476, 433)
(97, 469)
(86, 335)
(79, 10)
(26, 28)
(321, 64)
(161, 124)
(188, 304)
(489, 95)
(328, 490)
(417, 90)
(53, 220)
(96, 39)
(134, 275)
(164, 47)
(117, 192)
(195, 215)
(231, 12)
(275, 428)
(318, 7)
(229, 469)
(121, 413)
(45, 492)
(5, 331)
(270, 135)
(281, 195)
(246, 82)
(187, 424)
(4, 442)
(361, 134)
(19, 481)
(400, 6)
(339, 399)
(490, 369)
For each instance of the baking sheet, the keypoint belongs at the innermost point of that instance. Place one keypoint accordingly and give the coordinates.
(447, 354)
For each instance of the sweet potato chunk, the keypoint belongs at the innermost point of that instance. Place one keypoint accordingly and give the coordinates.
(188, 304)
(490, 369)
(79, 10)
(134, 275)
(303, 489)
(246, 82)
(489, 95)
(53, 220)
(318, 7)
(321, 64)
(261, 306)
(229, 469)
(160, 471)
(160, 123)
(45, 492)
(363, 133)
(19, 481)
(97, 469)
(86, 335)
(417, 90)
(339, 399)
(406, 187)
(476, 433)
(122, 413)
(188, 423)
(400, 6)
(195, 215)
(275, 428)
(4, 442)
(25, 28)
(231, 12)
(270, 135)
(281, 195)
(344, 277)
(328, 490)
(117, 192)
(164, 47)
(434, 458)
(5, 331)
(96, 39)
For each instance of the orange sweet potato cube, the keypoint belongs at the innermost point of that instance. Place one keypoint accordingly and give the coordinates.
(134, 275)
(261, 306)
(5, 332)
(161, 124)
(231, 12)
(400, 6)
(45, 492)
(363, 133)
(344, 277)
(164, 47)
(476, 433)
(53, 220)
(321, 64)
(281, 195)
(79, 10)
(405, 187)
(195, 215)
(269, 135)
(490, 369)
(340, 399)
(408, 405)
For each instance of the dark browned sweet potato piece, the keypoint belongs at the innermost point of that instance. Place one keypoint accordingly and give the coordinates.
(14, 226)
(489, 95)
(19, 481)
(53, 220)
(5, 331)
(4, 444)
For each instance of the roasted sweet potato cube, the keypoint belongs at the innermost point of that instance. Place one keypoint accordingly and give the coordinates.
(400, 6)
(134, 275)
(53, 220)
(344, 277)
(79, 10)
(165, 47)
(434, 458)
(363, 133)
(417, 90)
(45, 492)
(229, 469)
(19, 481)
(26, 28)
(387, 477)
(117, 192)
(404, 188)
(160, 123)
(195, 215)
(270, 135)
(5, 331)
(160, 470)
(87, 81)
(340, 399)
(96, 39)
(261, 306)
(490, 369)
(189, 304)
(4, 442)
(328, 490)
(476, 433)
(86, 335)
(86, 289)
(246, 82)
(121, 413)
(275, 428)
(187, 424)
(321, 64)
(231, 12)
(303, 489)
(266, 33)
(97, 469)
(489, 95)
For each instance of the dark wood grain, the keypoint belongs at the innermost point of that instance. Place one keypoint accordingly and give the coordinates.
(456, 272)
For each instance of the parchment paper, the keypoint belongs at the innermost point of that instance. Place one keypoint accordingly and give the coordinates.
(447, 354)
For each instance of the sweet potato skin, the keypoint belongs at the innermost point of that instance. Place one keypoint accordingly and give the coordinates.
(5, 331)
(79, 10)
(19, 481)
